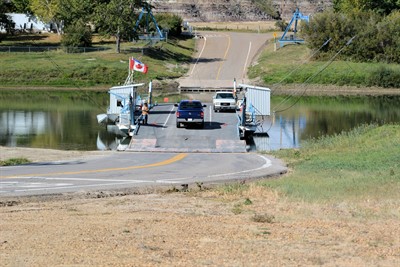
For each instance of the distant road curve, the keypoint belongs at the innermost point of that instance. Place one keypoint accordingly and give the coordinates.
(222, 57)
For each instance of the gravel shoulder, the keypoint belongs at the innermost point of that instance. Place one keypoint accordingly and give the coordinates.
(45, 155)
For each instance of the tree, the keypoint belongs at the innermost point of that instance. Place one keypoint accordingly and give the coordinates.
(383, 7)
(21, 6)
(116, 18)
(388, 37)
(48, 12)
(328, 25)
(77, 34)
(71, 11)
(5, 21)
(377, 38)
(170, 22)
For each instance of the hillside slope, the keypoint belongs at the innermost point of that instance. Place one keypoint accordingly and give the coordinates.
(236, 10)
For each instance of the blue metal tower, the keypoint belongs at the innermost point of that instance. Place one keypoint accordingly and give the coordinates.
(146, 9)
(293, 38)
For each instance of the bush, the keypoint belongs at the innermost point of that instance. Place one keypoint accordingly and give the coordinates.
(172, 23)
(77, 35)
(281, 25)
(384, 77)
(376, 37)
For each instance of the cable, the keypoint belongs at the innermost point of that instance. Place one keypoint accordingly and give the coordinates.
(317, 51)
(313, 76)
(295, 69)
(290, 73)
(74, 84)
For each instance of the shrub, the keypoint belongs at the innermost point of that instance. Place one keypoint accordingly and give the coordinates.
(384, 77)
(376, 37)
(77, 35)
(14, 161)
(281, 25)
(172, 23)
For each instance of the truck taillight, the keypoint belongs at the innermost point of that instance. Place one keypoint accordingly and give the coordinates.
(202, 114)
(177, 113)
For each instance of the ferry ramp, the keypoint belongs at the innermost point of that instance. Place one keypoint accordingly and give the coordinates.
(219, 135)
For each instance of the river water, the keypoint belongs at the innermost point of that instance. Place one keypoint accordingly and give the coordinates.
(67, 120)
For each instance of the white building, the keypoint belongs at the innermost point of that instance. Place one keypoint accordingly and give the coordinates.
(25, 22)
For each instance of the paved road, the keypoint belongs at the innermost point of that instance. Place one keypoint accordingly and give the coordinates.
(222, 57)
(133, 169)
(220, 133)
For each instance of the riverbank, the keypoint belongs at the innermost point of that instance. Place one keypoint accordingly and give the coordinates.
(333, 90)
(290, 89)
(46, 155)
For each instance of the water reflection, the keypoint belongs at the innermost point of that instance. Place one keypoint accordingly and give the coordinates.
(70, 122)
(107, 140)
(316, 116)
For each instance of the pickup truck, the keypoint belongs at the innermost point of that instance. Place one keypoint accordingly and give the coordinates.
(190, 112)
(224, 101)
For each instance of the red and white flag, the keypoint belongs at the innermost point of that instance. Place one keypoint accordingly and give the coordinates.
(136, 65)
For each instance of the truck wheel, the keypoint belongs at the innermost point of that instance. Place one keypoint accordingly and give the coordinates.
(178, 124)
(202, 125)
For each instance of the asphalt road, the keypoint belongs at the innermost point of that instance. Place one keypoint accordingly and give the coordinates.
(222, 57)
(161, 154)
(120, 170)
(220, 133)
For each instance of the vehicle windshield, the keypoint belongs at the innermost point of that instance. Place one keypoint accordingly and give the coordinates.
(225, 95)
(190, 105)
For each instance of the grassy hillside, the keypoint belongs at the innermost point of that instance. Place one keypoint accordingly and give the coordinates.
(166, 60)
(362, 164)
(294, 64)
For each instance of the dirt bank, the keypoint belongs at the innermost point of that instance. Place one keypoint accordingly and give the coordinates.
(296, 89)
(40, 155)
(332, 90)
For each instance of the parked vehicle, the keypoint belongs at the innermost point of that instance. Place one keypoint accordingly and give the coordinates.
(224, 101)
(190, 112)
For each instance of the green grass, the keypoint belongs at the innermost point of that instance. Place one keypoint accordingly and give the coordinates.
(165, 60)
(362, 164)
(168, 60)
(55, 99)
(14, 161)
(291, 64)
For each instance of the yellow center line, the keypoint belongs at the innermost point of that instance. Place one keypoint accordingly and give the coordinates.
(226, 53)
(157, 164)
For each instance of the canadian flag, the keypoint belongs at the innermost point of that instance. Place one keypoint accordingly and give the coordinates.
(136, 65)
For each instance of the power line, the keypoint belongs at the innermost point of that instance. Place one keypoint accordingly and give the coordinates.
(298, 67)
(313, 76)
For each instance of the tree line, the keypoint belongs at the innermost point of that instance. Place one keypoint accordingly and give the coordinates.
(373, 25)
(363, 30)
(76, 20)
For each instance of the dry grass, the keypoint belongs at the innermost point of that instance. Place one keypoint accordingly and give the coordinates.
(199, 228)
